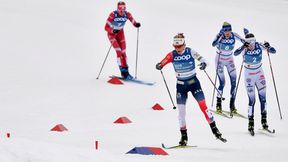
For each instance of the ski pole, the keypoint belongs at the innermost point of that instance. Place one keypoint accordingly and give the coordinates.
(238, 80)
(137, 53)
(104, 62)
(215, 81)
(214, 85)
(174, 107)
(274, 84)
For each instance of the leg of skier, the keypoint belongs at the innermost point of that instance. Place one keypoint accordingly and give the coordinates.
(261, 87)
(123, 58)
(233, 77)
(221, 77)
(181, 98)
(118, 43)
(250, 88)
(116, 46)
(114, 39)
(198, 94)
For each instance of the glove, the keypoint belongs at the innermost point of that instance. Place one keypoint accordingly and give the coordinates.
(221, 32)
(246, 44)
(137, 25)
(202, 66)
(246, 31)
(267, 44)
(115, 31)
(158, 66)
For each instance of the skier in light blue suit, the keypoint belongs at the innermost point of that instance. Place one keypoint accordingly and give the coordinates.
(225, 41)
(254, 76)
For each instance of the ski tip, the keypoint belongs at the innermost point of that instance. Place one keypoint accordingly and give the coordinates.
(251, 132)
(268, 131)
(223, 113)
(223, 140)
(134, 80)
(177, 146)
(271, 131)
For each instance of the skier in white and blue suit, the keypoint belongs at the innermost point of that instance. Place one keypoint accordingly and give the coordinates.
(225, 41)
(254, 76)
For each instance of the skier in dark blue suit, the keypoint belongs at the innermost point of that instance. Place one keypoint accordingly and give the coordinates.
(183, 60)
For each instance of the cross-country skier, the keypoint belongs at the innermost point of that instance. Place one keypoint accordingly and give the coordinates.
(254, 76)
(183, 60)
(225, 41)
(114, 27)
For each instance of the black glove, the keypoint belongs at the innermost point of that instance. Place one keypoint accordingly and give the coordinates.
(246, 44)
(137, 25)
(267, 44)
(158, 66)
(202, 66)
(115, 31)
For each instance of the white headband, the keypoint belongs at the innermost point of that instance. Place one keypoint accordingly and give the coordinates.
(251, 40)
(178, 41)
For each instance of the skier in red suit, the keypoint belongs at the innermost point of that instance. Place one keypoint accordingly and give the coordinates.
(114, 27)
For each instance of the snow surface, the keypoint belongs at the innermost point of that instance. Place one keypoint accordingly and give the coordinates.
(52, 51)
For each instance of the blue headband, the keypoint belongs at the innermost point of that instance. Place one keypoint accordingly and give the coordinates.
(227, 28)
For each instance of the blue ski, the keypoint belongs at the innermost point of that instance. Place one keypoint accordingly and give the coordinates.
(134, 80)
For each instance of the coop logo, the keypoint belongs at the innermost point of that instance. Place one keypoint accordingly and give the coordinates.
(230, 41)
(254, 52)
(184, 57)
(120, 19)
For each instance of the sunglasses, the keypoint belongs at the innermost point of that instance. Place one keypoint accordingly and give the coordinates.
(227, 30)
(121, 7)
(178, 46)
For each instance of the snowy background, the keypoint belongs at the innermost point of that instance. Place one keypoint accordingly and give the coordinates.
(51, 53)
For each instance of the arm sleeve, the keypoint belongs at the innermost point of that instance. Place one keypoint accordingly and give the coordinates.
(238, 37)
(198, 57)
(131, 19)
(108, 25)
(239, 51)
(216, 40)
(167, 59)
(270, 49)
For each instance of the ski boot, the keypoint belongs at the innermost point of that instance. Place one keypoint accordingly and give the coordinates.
(251, 126)
(219, 105)
(264, 122)
(125, 73)
(233, 110)
(184, 138)
(265, 125)
(216, 132)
